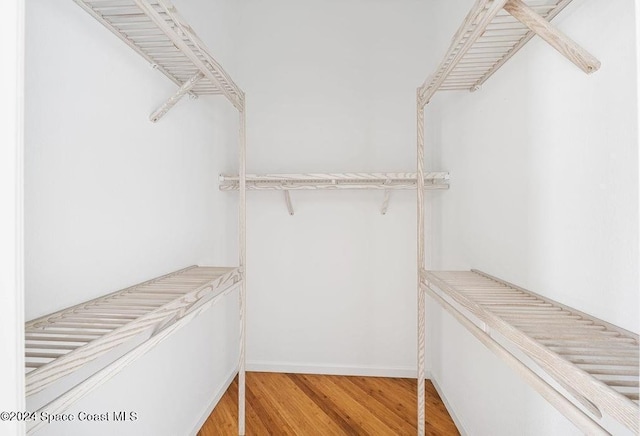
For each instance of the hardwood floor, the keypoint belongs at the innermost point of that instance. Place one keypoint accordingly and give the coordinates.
(300, 404)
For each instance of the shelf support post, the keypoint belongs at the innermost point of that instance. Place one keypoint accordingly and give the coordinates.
(171, 102)
(558, 40)
(242, 251)
(421, 265)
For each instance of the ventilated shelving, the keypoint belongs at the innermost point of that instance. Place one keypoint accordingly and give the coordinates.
(60, 343)
(590, 360)
(593, 361)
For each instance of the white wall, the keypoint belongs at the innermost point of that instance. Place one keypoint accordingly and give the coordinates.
(331, 88)
(112, 199)
(11, 273)
(544, 193)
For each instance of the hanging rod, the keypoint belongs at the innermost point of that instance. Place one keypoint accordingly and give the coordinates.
(386, 182)
(382, 181)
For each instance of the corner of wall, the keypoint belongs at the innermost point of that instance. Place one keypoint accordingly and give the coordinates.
(460, 424)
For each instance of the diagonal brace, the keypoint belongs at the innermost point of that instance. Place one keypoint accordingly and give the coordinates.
(185, 88)
(558, 40)
(183, 46)
(287, 199)
(385, 202)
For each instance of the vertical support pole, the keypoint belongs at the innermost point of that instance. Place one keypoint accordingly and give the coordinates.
(421, 295)
(242, 251)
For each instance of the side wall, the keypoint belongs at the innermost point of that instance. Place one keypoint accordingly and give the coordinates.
(11, 268)
(112, 200)
(331, 88)
(544, 193)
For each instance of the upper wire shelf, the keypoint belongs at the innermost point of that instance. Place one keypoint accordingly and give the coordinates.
(156, 31)
(492, 32)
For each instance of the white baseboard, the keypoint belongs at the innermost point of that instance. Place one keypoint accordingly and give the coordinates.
(214, 402)
(456, 420)
(368, 371)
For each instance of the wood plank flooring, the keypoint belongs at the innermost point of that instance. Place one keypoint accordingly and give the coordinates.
(306, 405)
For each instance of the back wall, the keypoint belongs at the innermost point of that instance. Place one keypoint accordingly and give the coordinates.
(331, 88)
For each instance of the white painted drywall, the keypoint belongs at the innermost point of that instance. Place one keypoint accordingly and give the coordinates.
(11, 268)
(544, 193)
(331, 88)
(112, 200)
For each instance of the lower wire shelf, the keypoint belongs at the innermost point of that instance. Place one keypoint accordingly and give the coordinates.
(594, 361)
(62, 342)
